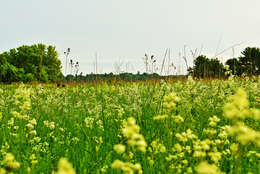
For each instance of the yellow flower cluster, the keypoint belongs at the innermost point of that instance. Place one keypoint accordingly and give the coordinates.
(191, 147)
(179, 163)
(119, 148)
(31, 127)
(205, 168)
(177, 119)
(131, 132)
(157, 147)
(4, 148)
(49, 124)
(185, 136)
(212, 130)
(89, 122)
(169, 102)
(10, 162)
(213, 121)
(134, 139)
(161, 117)
(238, 107)
(238, 110)
(22, 99)
(244, 134)
(127, 167)
(64, 167)
(215, 156)
(200, 148)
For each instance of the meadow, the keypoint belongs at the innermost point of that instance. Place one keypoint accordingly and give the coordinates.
(189, 126)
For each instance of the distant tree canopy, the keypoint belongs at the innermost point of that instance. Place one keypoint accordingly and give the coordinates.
(30, 63)
(128, 77)
(248, 63)
(206, 68)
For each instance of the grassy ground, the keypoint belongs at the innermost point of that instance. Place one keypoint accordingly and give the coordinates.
(177, 127)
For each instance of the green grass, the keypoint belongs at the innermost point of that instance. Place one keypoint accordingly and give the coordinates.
(89, 147)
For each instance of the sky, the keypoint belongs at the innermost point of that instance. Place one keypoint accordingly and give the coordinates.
(118, 33)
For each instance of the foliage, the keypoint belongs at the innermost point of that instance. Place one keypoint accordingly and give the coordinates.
(234, 66)
(30, 63)
(248, 63)
(207, 68)
(250, 60)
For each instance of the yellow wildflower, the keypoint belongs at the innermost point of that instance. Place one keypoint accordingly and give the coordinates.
(64, 167)
(205, 168)
(119, 148)
(9, 161)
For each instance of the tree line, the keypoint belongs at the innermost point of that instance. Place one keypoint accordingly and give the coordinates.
(40, 63)
(248, 63)
(129, 77)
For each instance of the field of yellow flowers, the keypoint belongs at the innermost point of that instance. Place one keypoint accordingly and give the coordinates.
(205, 127)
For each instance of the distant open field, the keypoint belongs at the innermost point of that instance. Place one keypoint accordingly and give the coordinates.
(184, 126)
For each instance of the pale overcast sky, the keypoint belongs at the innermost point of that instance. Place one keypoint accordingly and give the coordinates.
(122, 31)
